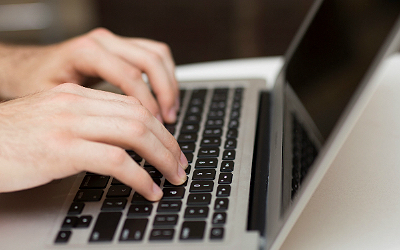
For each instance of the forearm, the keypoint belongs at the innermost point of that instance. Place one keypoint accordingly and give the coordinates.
(17, 62)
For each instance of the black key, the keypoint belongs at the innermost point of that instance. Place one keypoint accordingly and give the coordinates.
(223, 190)
(84, 221)
(105, 226)
(187, 137)
(201, 186)
(218, 105)
(197, 101)
(214, 123)
(88, 195)
(187, 170)
(237, 97)
(194, 110)
(134, 156)
(225, 178)
(63, 237)
(235, 114)
(216, 114)
(229, 154)
(94, 181)
(140, 209)
(169, 184)
(232, 133)
(133, 229)
(221, 91)
(227, 166)
(204, 174)
(189, 157)
(76, 208)
(153, 172)
(173, 193)
(221, 204)
(190, 128)
(192, 119)
(236, 105)
(196, 212)
(192, 230)
(69, 222)
(219, 218)
(162, 234)
(230, 144)
(187, 147)
(157, 181)
(206, 163)
(212, 132)
(219, 97)
(217, 233)
(116, 204)
(210, 142)
(233, 123)
(138, 198)
(119, 191)
(198, 93)
(169, 206)
(170, 128)
(165, 220)
(199, 199)
(116, 182)
(208, 152)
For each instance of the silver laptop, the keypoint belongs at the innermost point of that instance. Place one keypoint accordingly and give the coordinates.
(256, 155)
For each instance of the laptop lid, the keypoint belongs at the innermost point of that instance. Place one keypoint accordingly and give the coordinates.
(328, 70)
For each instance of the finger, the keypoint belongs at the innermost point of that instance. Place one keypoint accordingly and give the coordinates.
(110, 160)
(108, 109)
(94, 94)
(131, 134)
(164, 52)
(98, 62)
(160, 76)
(159, 48)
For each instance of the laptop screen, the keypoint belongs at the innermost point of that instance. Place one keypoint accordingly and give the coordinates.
(335, 53)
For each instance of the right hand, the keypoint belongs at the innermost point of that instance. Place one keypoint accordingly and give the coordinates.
(69, 129)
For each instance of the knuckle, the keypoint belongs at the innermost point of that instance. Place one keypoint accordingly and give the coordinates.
(143, 114)
(100, 32)
(132, 73)
(116, 156)
(138, 129)
(65, 98)
(164, 48)
(153, 58)
(83, 43)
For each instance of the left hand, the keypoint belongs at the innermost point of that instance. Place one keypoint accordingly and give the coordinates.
(97, 54)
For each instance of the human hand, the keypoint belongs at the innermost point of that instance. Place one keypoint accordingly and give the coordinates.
(69, 129)
(97, 54)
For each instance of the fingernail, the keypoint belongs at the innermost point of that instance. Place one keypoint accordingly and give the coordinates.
(172, 115)
(157, 190)
(182, 174)
(158, 116)
(183, 161)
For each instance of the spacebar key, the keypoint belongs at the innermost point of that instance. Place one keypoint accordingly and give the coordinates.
(105, 226)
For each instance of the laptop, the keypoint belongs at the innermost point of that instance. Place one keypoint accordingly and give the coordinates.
(256, 154)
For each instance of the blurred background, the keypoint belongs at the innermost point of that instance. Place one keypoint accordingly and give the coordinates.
(196, 31)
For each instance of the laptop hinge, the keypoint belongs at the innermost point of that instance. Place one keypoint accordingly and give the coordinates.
(260, 169)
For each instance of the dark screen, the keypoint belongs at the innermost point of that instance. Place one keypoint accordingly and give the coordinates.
(335, 53)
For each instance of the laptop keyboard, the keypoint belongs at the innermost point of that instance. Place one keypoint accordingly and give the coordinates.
(304, 154)
(195, 210)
